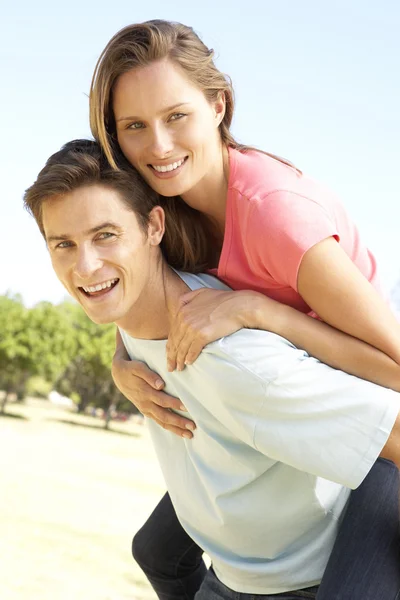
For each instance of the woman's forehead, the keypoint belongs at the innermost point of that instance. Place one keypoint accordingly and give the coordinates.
(160, 85)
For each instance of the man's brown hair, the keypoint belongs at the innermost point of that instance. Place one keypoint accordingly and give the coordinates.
(81, 163)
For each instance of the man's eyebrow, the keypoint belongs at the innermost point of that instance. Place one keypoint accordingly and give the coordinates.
(164, 110)
(65, 236)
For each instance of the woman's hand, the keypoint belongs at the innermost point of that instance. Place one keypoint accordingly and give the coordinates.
(143, 388)
(206, 315)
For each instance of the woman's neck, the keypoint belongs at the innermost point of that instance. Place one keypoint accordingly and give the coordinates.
(209, 195)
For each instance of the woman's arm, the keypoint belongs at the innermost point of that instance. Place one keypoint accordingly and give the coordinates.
(207, 315)
(331, 346)
(143, 388)
(364, 340)
(335, 289)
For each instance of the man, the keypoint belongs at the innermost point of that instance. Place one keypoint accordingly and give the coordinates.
(280, 437)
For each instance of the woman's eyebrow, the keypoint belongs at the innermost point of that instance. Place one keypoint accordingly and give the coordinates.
(164, 110)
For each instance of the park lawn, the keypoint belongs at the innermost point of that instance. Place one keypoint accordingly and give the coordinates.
(72, 496)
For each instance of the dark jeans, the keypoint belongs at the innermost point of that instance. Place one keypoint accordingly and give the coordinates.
(213, 589)
(364, 564)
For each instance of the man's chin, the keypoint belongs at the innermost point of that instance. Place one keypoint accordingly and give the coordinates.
(99, 318)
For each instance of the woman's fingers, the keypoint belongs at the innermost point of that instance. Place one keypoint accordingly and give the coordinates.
(158, 405)
(203, 316)
(186, 330)
(141, 370)
(139, 384)
(172, 422)
(195, 350)
(175, 337)
(190, 347)
(176, 430)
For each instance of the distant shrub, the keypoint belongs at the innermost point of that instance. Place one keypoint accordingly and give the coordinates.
(75, 397)
(37, 386)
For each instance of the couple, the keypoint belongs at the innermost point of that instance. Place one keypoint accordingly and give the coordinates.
(261, 226)
(281, 438)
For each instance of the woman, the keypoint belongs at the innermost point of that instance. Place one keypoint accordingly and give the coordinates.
(266, 230)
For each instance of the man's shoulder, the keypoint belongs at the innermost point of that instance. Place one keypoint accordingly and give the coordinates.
(200, 280)
(259, 354)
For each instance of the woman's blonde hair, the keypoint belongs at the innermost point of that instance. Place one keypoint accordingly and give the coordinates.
(82, 163)
(141, 44)
(189, 233)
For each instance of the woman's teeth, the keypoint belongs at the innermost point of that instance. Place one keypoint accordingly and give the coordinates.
(170, 167)
(100, 286)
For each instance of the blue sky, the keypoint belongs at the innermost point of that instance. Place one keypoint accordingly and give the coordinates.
(316, 82)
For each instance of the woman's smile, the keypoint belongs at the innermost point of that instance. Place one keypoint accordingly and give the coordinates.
(173, 138)
(169, 170)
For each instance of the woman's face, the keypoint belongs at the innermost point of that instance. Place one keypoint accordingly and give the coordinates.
(166, 127)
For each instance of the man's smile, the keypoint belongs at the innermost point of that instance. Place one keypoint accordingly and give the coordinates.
(99, 289)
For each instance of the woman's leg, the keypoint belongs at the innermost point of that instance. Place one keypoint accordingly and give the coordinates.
(365, 561)
(170, 559)
(364, 564)
(213, 589)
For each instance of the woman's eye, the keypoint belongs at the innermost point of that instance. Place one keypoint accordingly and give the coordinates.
(176, 116)
(136, 125)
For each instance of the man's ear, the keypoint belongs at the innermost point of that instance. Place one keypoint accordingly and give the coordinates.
(156, 226)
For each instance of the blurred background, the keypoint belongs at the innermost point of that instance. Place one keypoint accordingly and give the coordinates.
(317, 83)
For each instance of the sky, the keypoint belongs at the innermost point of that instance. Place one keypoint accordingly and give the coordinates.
(315, 82)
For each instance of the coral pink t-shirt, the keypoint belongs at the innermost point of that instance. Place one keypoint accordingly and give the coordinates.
(273, 216)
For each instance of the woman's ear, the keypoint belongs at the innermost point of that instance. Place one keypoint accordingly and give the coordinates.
(219, 108)
(156, 226)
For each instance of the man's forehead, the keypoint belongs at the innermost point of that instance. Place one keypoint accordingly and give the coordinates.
(55, 235)
(84, 211)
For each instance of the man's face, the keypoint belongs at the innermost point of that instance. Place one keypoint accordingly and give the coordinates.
(99, 252)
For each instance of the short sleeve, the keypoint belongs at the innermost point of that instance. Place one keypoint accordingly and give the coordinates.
(281, 228)
(294, 409)
(325, 422)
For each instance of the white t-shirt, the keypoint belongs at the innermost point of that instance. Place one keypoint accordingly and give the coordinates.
(280, 438)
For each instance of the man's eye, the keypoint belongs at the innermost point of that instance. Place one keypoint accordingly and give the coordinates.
(64, 245)
(177, 116)
(105, 235)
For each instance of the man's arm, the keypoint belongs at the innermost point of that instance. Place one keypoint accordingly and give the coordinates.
(298, 411)
(308, 415)
(328, 423)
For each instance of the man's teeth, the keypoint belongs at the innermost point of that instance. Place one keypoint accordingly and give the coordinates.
(100, 286)
(170, 167)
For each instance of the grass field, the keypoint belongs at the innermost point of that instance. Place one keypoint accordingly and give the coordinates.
(72, 495)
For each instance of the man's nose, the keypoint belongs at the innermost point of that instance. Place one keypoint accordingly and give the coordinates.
(87, 263)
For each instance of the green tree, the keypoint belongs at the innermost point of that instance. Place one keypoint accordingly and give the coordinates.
(88, 375)
(64, 347)
(14, 359)
(36, 341)
(50, 339)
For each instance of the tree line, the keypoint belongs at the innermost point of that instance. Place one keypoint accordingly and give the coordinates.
(56, 347)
